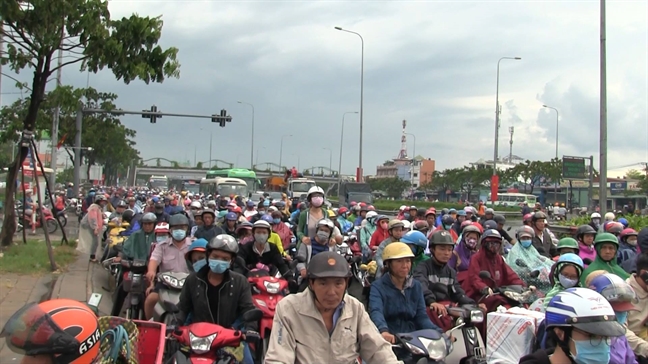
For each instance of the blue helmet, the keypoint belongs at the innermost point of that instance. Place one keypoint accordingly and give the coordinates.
(571, 258)
(250, 203)
(231, 216)
(415, 238)
(268, 218)
(461, 213)
(199, 245)
(624, 222)
(266, 203)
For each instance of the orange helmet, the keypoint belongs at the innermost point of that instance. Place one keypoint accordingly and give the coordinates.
(67, 330)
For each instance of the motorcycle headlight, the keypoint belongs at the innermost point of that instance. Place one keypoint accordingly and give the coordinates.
(476, 316)
(172, 281)
(272, 287)
(436, 348)
(201, 345)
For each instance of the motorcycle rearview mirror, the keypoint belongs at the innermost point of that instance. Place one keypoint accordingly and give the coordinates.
(252, 315)
(521, 263)
(484, 274)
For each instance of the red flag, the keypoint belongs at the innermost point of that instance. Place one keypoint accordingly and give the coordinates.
(61, 141)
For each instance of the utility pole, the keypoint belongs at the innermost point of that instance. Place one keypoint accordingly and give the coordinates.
(55, 119)
(603, 119)
(511, 129)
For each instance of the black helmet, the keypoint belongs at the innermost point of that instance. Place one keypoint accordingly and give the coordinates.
(447, 220)
(538, 216)
(148, 217)
(121, 203)
(224, 242)
(490, 224)
(159, 206)
(209, 211)
(127, 216)
(584, 229)
(491, 235)
(328, 265)
(441, 237)
(500, 219)
(178, 220)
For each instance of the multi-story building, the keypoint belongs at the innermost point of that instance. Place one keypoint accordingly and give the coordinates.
(418, 171)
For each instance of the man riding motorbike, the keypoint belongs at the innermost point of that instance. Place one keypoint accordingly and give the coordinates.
(417, 241)
(542, 240)
(209, 229)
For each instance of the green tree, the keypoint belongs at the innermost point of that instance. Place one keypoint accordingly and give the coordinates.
(65, 175)
(532, 173)
(175, 164)
(635, 174)
(199, 165)
(35, 30)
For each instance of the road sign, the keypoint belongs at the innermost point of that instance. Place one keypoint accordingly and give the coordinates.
(573, 168)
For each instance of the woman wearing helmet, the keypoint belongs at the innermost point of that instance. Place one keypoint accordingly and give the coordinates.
(320, 243)
(281, 229)
(92, 224)
(324, 310)
(215, 293)
(345, 225)
(396, 302)
(58, 331)
(566, 273)
(627, 249)
(524, 259)
(488, 259)
(308, 218)
(461, 217)
(581, 322)
(274, 238)
(464, 250)
(366, 231)
(260, 250)
(595, 221)
(585, 235)
(396, 230)
(244, 233)
(606, 246)
(381, 233)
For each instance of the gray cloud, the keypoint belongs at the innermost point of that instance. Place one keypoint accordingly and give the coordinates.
(433, 64)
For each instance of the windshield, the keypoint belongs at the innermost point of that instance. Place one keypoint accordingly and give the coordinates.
(275, 195)
(159, 183)
(250, 181)
(226, 189)
(302, 186)
(361, 197)
(192, 188)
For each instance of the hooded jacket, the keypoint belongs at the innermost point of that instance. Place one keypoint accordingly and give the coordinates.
(586, 252)
(366, 232)
(501, 274)
(439, 283)
(378, 236)
(396, 311)
(642, 244)
(620, 351)
(461, 256)
(626, 256)
(600, 264)
(138, 245)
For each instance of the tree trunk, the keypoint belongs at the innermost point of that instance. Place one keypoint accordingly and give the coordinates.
(9, 225)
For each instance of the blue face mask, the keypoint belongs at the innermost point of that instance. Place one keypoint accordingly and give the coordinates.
(406, 215)
(199, 265)
(526, 243)
(566, 282)
(160, 238)
(276, 221)
(178, 235)
(447, 227)
(622, 317)
(218, 266)
(587, 353)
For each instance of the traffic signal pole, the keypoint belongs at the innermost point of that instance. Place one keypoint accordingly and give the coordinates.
(152, 115)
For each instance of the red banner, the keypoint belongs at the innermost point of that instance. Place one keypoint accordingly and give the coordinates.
(494, 187)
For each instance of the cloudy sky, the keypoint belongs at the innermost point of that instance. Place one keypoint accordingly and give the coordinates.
(432, 63)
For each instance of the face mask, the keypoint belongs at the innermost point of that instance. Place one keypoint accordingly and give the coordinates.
(322, 235)
(471, 243)
(161, 238)
(317, 201)
(199, 265)
(276, 221)
(566, 282)
(493, 248)
(632, 242)
(447, 227)
(525, 243)
(261, 212)
(178, 235)
(587, 353)
(406, 215)
(384, 225)
(261, 238)
(622, 317)
(218, 266)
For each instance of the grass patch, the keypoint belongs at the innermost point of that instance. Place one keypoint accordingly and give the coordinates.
(31, 258)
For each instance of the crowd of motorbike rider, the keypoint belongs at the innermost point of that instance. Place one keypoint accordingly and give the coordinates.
(425, 263)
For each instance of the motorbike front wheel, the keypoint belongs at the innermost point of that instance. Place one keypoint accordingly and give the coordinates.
(52, 225)
(62, 220)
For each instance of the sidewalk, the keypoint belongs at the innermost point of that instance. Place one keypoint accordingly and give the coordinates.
(81, 279)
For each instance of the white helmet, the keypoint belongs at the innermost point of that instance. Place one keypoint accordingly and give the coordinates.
(326, 222)
(609, 216)
(584, 309)
(595, 215)
(371, 214)
(262, 224)
(407, 225)
(401, 208)
(315, 189)
(195, 204)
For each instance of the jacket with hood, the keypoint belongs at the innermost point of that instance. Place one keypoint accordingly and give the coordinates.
(461, 256)
(600, 264)
(637, 333)
(396, 311)
(138, 245)
(366, 232)
(586, 252)
(642, 243)
(378, 236)
(235, 299)
(439, 282)
(300, 336)
(500, 272)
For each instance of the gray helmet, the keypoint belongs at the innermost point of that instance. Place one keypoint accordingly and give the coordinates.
(209, 211)
(328, 265)
(121, 203)
(584, 229)
(100, 197)
(441, 237)
(149, 217)
(500, 219)
(490, 224)
(178, 220)
(224, 242)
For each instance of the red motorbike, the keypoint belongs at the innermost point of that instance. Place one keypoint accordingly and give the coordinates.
(25, 220)
(202, 342)
(267, 291)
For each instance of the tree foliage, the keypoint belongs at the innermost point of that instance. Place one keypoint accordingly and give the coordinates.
(392, 186)
(36, 29)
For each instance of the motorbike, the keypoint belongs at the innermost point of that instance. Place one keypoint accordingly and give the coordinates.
(24, 220)
(173, 282)
(267, 291)
(114, 238)
(422, 347)
(515, 295)
(135, 286)
(200, 342)
(468, 347)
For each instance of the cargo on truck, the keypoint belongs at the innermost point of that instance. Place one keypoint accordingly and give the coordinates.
(355, 191)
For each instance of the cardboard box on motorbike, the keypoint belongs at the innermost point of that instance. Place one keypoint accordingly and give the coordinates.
(511, 335)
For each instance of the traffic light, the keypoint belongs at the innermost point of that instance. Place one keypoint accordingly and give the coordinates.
(222, 118)
(151, 114)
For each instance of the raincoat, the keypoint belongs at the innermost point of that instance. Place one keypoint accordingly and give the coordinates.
(586, 252)
(365, 234)
(642, 244)
(460, 259)
(600, 264)
(533, 261)
(620, 351)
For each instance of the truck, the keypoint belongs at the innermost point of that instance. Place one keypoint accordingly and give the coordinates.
(355, 191)
(298, 188)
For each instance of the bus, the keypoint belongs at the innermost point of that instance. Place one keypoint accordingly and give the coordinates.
(248, 176)
(512, 199)
(158, 182)
(185, 184)
(224, 187)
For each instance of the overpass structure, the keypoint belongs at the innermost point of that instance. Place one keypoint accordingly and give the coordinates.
(195, 173)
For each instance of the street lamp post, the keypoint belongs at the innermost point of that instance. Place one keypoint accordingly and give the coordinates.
(497, 112)
(359, 174)
(251, 145)
(341, 143)
(281, 149)
(413, 161)
(330, 159)
(557, 118)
